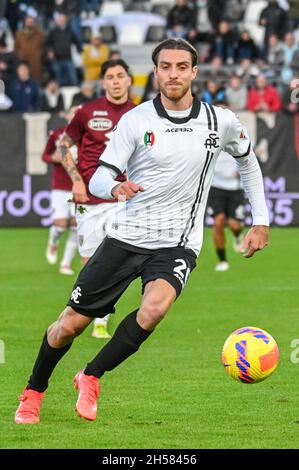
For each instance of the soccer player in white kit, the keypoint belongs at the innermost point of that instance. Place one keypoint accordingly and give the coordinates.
(169, 147)
(226, 204)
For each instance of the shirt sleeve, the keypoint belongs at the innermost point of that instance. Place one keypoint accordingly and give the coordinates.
(121, 146)
(75, 128)
(236, 141)
(252, 180)
(50, 147)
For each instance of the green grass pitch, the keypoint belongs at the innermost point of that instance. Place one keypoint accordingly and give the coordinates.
(174, 392)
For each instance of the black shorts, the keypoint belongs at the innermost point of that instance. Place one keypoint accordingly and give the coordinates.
(115, 265)
(230, 203)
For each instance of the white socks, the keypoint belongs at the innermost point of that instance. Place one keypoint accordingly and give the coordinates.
(102, 321)
(70, 249)
(55, 234)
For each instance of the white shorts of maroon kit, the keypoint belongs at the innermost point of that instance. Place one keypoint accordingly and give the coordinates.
(61, 207)
(91, 225)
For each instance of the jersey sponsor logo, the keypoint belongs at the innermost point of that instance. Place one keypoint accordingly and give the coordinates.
(149, 138)
(100, 113)
(212, 141)
(100, 124)
(180, 129)
(76, 294)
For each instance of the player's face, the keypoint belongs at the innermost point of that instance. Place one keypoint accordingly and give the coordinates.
(116, 82)
(174, 73)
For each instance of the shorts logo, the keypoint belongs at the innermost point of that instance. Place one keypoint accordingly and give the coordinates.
(149, 138)
(179, 273)
(81, 240)
(100, 124)
(211, 141)
(76, 294)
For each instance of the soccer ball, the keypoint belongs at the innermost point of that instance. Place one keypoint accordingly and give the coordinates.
(250, 355)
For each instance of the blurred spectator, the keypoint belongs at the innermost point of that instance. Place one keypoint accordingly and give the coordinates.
(29, 46)
(45, 8)
(114, 54)
(215, 71)
(2, 8)
(289, 49)
(89, 8)
(151, 88)
(24, 91)
(13, 14)
(181, 21)
(5, 33)
(214, 93)
(248, 72)
(294, 13)
(216, 12)
(275, 21)
(236, 94)
(290, 97)
(85, 94)
(93, 56)
(8, 63)
(295, 63)
(51, 99)
(72, 9)
(246, 48)
(59, 44)
(224, 42)
(263, 97)
(275, 54)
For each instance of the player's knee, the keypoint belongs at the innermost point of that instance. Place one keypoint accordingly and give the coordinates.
(151, 314)
(67, 328)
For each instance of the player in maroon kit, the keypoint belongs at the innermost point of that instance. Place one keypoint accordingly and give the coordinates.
(89, 130)
(63, 212)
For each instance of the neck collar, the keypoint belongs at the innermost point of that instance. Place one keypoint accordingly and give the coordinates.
(161, 111)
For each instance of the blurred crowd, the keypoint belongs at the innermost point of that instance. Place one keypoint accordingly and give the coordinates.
(40, 40)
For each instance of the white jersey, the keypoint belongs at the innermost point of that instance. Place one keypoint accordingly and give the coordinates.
(173, 159)
(226, 175)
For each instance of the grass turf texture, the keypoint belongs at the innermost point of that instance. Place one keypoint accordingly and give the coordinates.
(174, 393)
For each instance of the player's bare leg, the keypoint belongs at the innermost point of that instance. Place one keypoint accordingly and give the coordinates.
(158, 297)
(69, 325)
(236, 227)
(220, 241)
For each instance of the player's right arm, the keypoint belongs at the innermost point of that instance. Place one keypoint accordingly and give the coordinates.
(79, 188)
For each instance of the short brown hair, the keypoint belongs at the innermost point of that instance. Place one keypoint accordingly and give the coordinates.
(175, 43)
(113, 63)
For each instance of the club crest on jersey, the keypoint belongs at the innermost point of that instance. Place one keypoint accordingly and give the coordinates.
(242, 135)
(149, 138)
(211, 141)
(99, 124)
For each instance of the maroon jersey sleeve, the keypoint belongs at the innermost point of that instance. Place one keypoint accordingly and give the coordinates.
(75, 128)
(51, 145)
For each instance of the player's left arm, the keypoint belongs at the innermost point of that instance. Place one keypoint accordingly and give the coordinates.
(237, 143)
